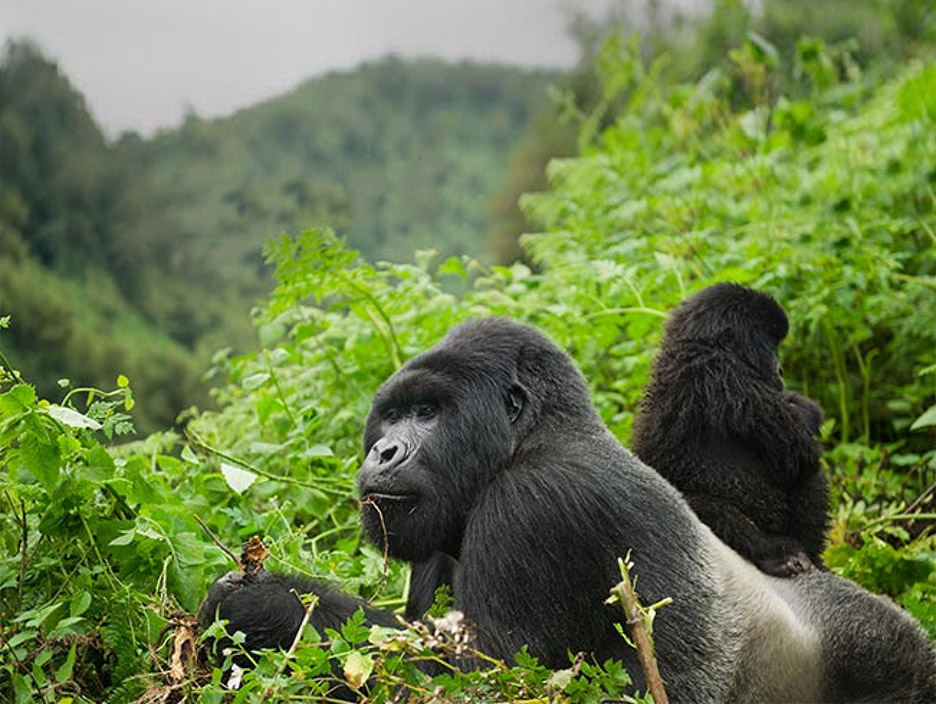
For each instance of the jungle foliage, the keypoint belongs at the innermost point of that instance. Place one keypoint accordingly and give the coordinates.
(878, 35)
(827, 202)
(807, 177)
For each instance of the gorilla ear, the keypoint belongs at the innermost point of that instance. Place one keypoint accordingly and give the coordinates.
(516, 400)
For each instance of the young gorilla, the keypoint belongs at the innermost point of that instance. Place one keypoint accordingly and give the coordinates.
(717, 423)
(487, 449)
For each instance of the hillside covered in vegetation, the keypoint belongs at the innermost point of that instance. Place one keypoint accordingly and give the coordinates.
(144, 255)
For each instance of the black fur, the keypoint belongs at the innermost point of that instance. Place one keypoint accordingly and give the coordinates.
(716, 422)
(267, 608)
(426, 577)
(486, 448)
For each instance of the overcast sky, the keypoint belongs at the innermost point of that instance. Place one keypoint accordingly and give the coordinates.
(142, 63)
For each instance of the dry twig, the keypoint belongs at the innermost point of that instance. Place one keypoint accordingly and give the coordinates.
(216, 540)
(386, 546)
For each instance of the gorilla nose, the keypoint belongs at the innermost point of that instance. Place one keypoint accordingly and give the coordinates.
(387, 453)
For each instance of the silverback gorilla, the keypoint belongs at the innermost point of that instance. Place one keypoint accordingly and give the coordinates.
(487, 448)
(718, 424)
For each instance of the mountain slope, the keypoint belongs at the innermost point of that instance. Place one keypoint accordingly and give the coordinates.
(142, 255)
(398, 155)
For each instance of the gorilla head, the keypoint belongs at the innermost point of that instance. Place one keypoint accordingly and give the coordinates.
(746, 323)
(443, 426)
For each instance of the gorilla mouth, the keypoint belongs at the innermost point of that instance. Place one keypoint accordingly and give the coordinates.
(380, 497)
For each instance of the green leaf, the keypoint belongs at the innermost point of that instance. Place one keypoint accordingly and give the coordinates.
(100, 465)
(65, 626)
(927, 420)
(170, 465)
(19, 399)
(560, 679)
(279, 357)
(64, 673)
(266, 406)
(125, 538)
(72, 418)
(189, 455)
(765, 48)
(144, 530)
(255, 381)
(20, 638)
(22, 689)
(318, 451)
(453, 266)
(42, 459)
(80, 603)
(237, 478)
(354, 630)
(265, 448)
(358, 667)
(36, 618)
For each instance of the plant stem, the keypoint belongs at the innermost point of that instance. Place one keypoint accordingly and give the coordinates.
(624, 594)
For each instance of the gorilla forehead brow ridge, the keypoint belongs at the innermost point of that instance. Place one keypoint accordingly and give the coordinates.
(459, 354)
(508, 352)
(415, 385)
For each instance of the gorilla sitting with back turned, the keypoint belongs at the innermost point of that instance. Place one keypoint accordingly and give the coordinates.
(718, 424)
(486, 448)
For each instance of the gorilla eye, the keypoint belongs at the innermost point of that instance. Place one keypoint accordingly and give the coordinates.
(393, 416)
(426, 411)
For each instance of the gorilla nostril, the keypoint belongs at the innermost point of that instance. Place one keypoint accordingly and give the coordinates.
(387, 454)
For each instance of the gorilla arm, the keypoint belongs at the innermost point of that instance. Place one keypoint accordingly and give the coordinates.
(736, 403)
(267, 608)
(804, 408)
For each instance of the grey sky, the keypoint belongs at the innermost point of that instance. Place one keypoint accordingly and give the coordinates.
(141, 63)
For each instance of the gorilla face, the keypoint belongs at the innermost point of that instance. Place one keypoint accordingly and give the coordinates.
(437, 433)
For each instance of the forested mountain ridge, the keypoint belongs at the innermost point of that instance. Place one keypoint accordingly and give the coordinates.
(145, 254)
(398, 154)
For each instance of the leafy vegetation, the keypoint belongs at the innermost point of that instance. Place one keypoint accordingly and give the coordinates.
(145, 255)
(812, 180)
(879, 36)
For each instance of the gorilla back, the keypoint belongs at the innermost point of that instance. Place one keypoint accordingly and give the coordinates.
(487, 448)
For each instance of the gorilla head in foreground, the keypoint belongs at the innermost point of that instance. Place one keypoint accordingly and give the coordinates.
(717, 423)
(487, 449)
